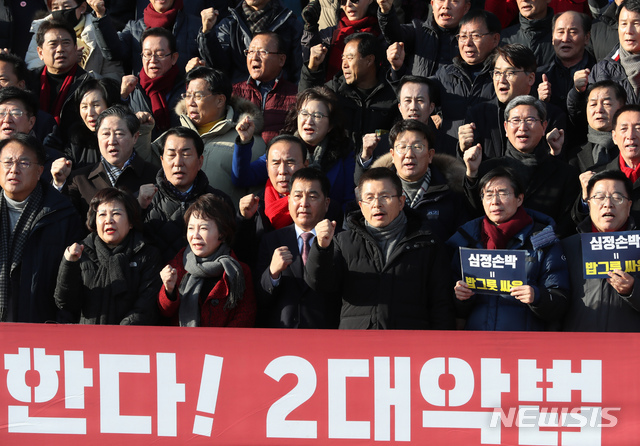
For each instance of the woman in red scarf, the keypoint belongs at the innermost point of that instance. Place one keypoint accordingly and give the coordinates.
(537, 304)
(354, 16)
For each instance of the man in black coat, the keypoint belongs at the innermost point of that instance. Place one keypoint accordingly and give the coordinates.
(533, 29)
(37, 224)
(551, 184)
(387, 267)
(284, 299)
(179, 183)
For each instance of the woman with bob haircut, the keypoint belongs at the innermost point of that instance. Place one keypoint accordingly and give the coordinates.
(205, 284)
(111, 277)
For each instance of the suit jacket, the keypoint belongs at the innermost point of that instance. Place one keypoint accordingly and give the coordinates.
(291, 304)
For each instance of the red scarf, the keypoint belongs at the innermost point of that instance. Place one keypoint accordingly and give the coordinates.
(629, 172)
(345, 28)
(155, 19)
(157, 90)
(497, 237)
(45, 93)
(276, 208)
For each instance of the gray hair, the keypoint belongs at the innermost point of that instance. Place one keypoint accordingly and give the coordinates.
(525, 99)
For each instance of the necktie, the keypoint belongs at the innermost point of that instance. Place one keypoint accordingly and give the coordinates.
(306, 245)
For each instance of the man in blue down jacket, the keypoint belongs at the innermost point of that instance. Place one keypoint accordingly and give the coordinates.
(387, 267)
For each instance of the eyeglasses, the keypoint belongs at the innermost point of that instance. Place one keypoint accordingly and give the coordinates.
(616, 198)
(489, 196)
(417, 148)
(261, 53)
(516, 122)
(157, 56)
(509, 74)
(476, 37)
(198, 96)
(22, 164)
(344, 2)
(15, 113)
(382, 199)
(315, 115)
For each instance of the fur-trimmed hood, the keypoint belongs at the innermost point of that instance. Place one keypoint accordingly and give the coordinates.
(241, 108)
(452, 168)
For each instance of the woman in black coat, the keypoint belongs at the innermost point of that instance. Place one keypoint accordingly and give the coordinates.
(112, 277)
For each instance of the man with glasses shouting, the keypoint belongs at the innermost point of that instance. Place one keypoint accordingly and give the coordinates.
(387, 266)
(551, 185)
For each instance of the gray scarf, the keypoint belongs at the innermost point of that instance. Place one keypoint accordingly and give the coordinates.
(388, 237)
(602, 145)
(631, 64)
(199, 268)
(416, 190)
(12, 244)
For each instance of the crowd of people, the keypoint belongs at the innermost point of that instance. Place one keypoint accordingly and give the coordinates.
(316, 164)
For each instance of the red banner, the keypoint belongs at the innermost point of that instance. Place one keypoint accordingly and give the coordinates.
(79, 385)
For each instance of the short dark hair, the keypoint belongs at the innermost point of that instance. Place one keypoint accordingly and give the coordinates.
(160, 32)
(368, 44)
(621, 110)
(48, 25)
(434, 91)
(291, 139)
(313, 174)
(211, 207)
(585, 20)
(615, 175)
(380, 174)
(412, 125)
(30, 142)
(122, 112)
(503, 172)
(629, 5)
(280, 47)
(218, 81)
(28, 99)
(618, 90)
(185, 133)
(488, 18)
(518, 56)
(19, 66)
(108, 195)
(108, 88)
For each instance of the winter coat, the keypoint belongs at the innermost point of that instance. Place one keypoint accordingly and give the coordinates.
(377, 111)
(552, 189)
(276, 105)
(546, 270)
(223, 46)
(594, 304)
(164, 225)
(604, 32)
(56, 226)
(411, 290)
(219, 143)
(212, 311)
(95, 61)
(84, 184)
(125, 46)
(87, 289)
(534, 34)
(458, 92)
(15, 20)
(430, 46)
